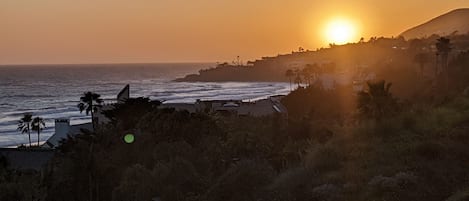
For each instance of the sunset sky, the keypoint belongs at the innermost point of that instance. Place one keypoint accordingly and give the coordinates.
(122, 31)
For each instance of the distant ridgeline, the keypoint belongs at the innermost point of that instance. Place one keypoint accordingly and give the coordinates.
(349, 59)
(352, 58)
(227, 72)
(454, 22)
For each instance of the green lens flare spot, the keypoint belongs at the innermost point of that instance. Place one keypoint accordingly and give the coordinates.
(129, 138)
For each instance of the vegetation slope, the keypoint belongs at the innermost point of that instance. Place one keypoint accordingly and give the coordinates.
(405, 141)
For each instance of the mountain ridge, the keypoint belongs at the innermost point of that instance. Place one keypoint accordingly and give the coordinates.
(452, 22)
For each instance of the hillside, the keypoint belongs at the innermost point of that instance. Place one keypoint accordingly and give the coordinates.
(327, 149)
(352, 58)
(455, 21)
(336, 58)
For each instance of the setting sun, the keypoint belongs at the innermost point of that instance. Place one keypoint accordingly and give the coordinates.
(340, 31)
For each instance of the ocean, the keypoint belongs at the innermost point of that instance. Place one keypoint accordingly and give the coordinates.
(53, 91)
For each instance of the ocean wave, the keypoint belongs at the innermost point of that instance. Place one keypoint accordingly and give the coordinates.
(63, 86)
(27, 96)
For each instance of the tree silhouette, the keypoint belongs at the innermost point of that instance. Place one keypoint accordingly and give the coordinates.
(298, 79)
(310, 73)
(377, 101)
(123, 114)
(289, 73)
(421, 59)
(38, 124)
(362, 40)
(443, 47)
(90, 102)
(24, 125)
(307, 75)
(416, 45)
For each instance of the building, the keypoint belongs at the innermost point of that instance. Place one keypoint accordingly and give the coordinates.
(122, 96)
(63, 130)
(264, 107)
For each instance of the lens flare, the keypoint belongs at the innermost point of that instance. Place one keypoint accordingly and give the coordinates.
(129, 138)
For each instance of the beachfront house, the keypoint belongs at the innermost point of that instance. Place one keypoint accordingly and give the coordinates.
(263, 107)
(33, 160)
(63, 128)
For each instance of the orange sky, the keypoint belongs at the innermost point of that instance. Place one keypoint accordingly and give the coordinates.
(121, 31)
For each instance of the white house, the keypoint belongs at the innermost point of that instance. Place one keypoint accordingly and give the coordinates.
(63, 129)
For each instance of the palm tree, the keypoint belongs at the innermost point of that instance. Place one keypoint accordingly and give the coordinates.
(289, 74)
(421, 59)
(298, 79)
(310, 72)
(24, 125)
(443, 47)
(90, 102)
(307, 74)
(377, 101)
(38, 124)
(416, 45)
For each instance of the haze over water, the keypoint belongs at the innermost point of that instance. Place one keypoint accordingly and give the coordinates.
(53, 91)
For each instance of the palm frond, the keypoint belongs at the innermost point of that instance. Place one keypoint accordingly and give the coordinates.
(89, 102)
(38, 124)
(81, 107)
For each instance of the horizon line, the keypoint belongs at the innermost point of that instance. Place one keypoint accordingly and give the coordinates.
(107, 63)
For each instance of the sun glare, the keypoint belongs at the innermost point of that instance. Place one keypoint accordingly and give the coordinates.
(340, 31)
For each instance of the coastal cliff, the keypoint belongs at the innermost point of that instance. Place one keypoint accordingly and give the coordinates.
(240, 73)
(335, 59)
(373, 54)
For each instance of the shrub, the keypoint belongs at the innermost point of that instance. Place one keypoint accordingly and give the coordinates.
(177, 179)
(401, 186)
(377, 101)
(459, 196)
(11, 191)
(136, 184)
(324, 159)
(292, 184)
(243, 181)
(327, 192)
(428, 150)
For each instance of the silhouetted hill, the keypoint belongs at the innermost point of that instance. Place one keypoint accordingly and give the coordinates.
(352, 59)
(348, 59)
(456, 21)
